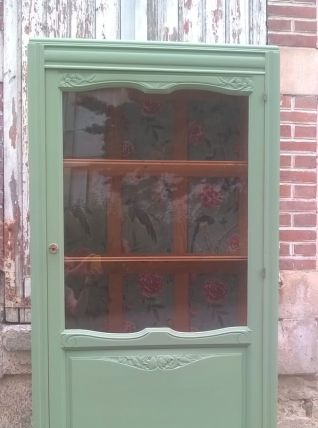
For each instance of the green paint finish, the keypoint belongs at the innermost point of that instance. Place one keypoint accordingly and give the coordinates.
(177, 390)
(222, 378)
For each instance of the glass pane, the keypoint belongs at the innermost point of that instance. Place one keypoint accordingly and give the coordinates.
(86, 296)
(150, 299)
(215, 210)
(155, 210)
(128, 124)
(153, 216)
(85, 205)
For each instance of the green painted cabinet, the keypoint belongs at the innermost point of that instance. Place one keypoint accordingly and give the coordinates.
(154, 189)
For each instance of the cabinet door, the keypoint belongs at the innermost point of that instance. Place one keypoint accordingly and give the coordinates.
(155, 204)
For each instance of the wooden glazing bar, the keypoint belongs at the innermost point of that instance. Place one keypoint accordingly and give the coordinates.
(242, 296)
(180, 217)
(113, 143)
(243, 219)
(182, 168)
(160, 258)
(165, 264)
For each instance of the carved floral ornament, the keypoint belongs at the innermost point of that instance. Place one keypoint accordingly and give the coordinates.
(76, 80)
(157, 362)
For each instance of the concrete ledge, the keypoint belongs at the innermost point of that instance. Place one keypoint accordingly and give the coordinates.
(15, 346)
(16, 338)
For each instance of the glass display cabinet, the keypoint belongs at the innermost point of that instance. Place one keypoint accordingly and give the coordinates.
(154, 177)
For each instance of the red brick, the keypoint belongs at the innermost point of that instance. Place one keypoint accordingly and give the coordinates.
(279, 24)
(284, 250)
(298, 116)
(305, 192)
(285, 131)
(285, 220)
(299, 146)
(285, 101)
(285, 191)
(294, 264)
(297, 235)
(292, 40)
(305, 131)
(305, 250)
(307, 162)
(294, 11)
(305, 220)
(306, 26)
(285, 161)
(306, 102)
(297, 206)
(290, 176)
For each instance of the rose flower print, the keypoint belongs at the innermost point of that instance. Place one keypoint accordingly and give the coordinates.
(211, 195)
(151, 286)
(234, 243)
(150, 108)
(215, 292)
(195, 132)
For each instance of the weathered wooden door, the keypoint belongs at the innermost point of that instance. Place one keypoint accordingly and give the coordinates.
(154, 250)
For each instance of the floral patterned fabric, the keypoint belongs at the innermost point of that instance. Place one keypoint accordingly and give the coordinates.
(126, 124)
(147, 124)
(150, 300)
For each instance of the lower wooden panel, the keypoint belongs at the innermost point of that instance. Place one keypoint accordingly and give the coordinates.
(154, 390)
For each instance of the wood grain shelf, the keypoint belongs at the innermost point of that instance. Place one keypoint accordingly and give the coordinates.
(114, 167)
(165, 264)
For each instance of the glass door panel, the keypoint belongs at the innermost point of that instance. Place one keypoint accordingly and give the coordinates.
(155, 210)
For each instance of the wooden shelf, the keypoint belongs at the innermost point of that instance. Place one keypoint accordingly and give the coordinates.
(114, 167)
(165, 264)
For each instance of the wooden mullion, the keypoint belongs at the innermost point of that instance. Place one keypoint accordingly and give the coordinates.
(181, 168)
(180, 218)
(163, 264)
(243, 222)
(114, 223)
(242, 295)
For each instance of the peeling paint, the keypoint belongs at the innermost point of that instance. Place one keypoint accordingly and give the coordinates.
(186, 26)
(13, 128)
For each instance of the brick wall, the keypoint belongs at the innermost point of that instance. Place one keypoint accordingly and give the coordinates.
(292, 25)
(298, 219)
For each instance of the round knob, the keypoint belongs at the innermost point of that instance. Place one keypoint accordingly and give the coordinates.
(53, 248)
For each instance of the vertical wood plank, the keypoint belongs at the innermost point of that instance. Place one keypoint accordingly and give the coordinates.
(243, 217)
(13, 250)
(58, 20)
(257, 23)
(237, 25)
(141, 20)
(108, 19)
(33, 24)
(180, 216)
(168, 17)
(215, 21)
(82, 18)
(133, 22)
(191, 20)
(114, 224)
(163, 20)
